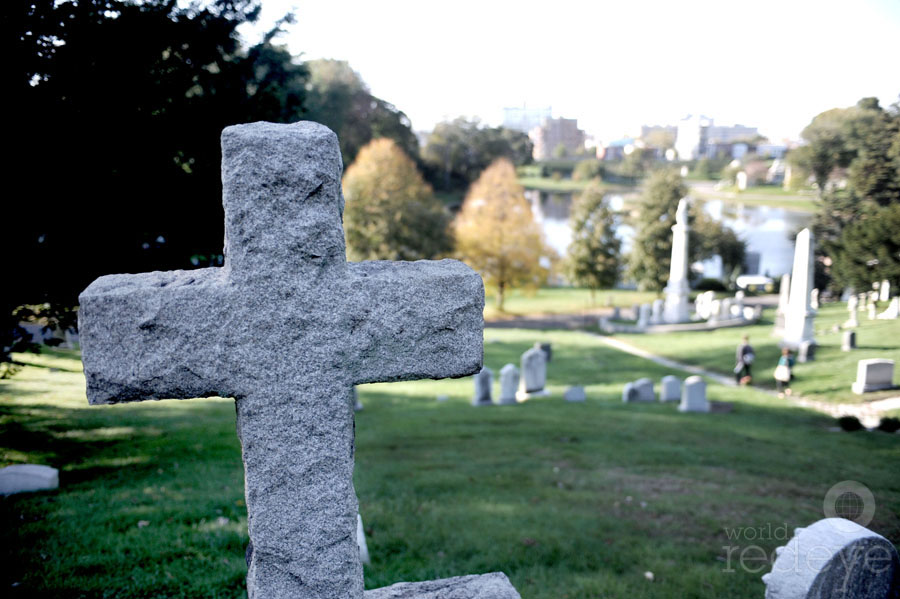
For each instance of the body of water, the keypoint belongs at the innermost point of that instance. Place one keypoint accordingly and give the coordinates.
(767, 231)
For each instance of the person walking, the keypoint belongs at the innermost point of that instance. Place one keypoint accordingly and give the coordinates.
(784, 373)
(744, 356)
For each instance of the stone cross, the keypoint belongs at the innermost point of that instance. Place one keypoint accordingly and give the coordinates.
(286, 327)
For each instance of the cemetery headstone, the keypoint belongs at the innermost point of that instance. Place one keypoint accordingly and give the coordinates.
(814, 299)
(484, 382)
(616, 313)
(806, 352)
(361, 542)
(798, 324)
(725, 309)
(645, 390)
(677, 288)
(871, 310)
(874, 374)
(715, 311)
(852, 307)
(643, 316)
(738, 305)
(547, 349)
(834, 557)
(893, 310)
(575, 393)
(670, 388)
(509, 384)
(636, 311)
(329, 325)
(533, 375)
(884, 291)
(693, 395)
(656, 311)
(629, 393)
(25, 478)
(848, 341)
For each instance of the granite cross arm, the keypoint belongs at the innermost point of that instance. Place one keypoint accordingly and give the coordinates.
(285, 327)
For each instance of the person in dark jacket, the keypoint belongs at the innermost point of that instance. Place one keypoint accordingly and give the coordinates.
(744, 356)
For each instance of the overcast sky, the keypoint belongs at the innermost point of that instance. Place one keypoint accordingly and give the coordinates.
(613, 65)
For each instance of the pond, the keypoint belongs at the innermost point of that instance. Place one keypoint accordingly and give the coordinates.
(768, 231)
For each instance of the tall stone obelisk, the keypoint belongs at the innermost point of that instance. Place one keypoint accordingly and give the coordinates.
(798, 321)
(676, 308)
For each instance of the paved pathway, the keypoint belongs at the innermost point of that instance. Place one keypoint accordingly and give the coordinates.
(869, 413)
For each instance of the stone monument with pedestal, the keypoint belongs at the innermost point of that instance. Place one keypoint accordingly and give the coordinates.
(798, 325)
(328, 324)
(677, 289)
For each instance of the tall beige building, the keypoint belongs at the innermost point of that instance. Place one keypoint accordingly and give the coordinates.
(553, 133)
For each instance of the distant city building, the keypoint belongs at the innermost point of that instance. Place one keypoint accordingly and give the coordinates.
(525, 119)
(699, 137)
(618, 149)
(553, 133)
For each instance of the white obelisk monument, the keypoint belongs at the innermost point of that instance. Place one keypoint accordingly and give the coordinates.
(676, 308)
(798, 321)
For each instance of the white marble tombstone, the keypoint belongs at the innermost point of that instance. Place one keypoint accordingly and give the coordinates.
(715, 311)
(676, 303)
(693, 395)
(871, 310)
(884, 291)
(574, 393)
(738, 307)
(643, 316)
(798, 324)
(893, 310)
(644, 388)
(814, 299)
(852, 306)
(848, 340)
(725, 309)
(509, 384)
(484, 382)
(833, 558)
(533, 375)
(874, 374)
(24, 478)
(670, 388)
(656, 311)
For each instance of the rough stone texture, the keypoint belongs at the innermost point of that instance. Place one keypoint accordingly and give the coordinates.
(848, 340)
(533, 374)
(874, 374)
(361, 542)
(629, 393)
(574, 393)
(798, 324)
(693, 395)
(670, 388)
(484, 382)
(677, 289)
(484, 586)
(24, 478)
(644, 388)
(834, 558)
(285, 327)
(509, 384)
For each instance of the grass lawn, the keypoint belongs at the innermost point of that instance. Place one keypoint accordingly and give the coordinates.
(562, 300)
(774, 197)
(570, 500)
(827, 378)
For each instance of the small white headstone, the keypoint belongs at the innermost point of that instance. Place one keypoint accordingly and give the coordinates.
(871, 310)
(533, 375)
(848, 341)
(629, 393)
(834, 557)
(644, 316)
(644, 388)
(693, 395)
(893, 310)
(656, 311)
(884, 291)
(670, 388)
(814, 299)
(575, 393)
(23, 478)
(484, 382)
(874, 374)
(852, 307)
(509, 384)
(361, 541)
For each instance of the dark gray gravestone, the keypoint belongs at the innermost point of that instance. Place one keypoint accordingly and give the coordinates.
(286, 327)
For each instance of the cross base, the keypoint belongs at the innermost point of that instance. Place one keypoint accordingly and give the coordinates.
(479, 586)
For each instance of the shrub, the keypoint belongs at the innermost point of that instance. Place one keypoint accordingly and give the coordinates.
(889, 424)
(849, 423)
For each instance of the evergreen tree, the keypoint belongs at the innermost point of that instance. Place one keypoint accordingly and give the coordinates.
(651, 251)
(594, 258)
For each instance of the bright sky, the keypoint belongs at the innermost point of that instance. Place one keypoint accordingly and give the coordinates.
(613, 65)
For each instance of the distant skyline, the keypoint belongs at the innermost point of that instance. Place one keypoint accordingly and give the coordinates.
(613, 66)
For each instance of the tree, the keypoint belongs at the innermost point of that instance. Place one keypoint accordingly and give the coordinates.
(390, 212)
(651, 251)
(457, 152)
(339, 99)
(594, 258)
(496, 233)
(587, 170)
(870, 250)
